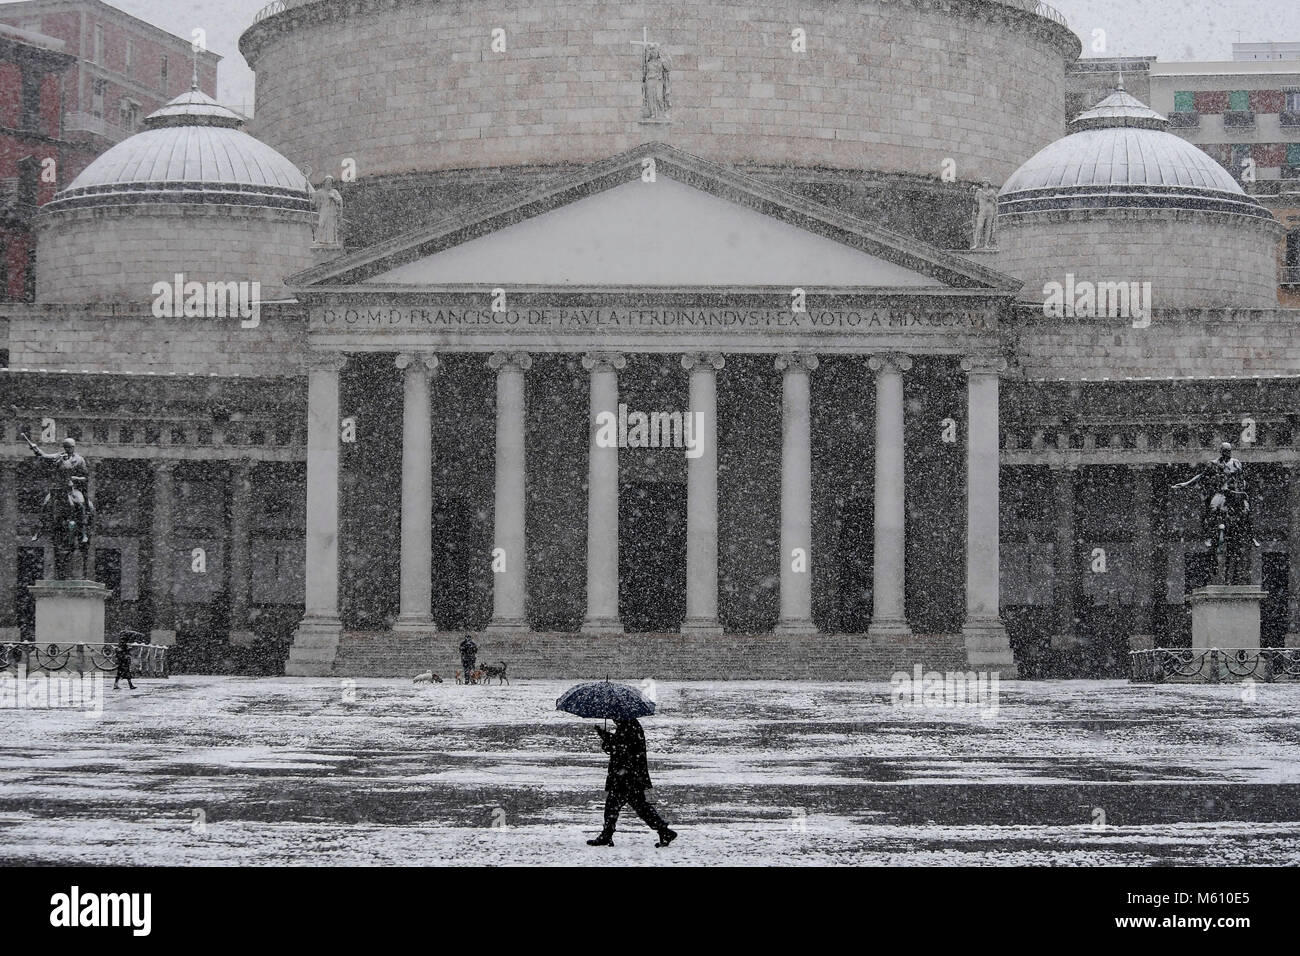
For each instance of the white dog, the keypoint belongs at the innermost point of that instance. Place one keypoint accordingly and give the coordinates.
(428, 677)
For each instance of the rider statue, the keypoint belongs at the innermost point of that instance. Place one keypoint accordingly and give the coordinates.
(1223, 486)
(68, 475)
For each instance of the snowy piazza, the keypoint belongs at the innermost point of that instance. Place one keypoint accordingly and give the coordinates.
(857, 438)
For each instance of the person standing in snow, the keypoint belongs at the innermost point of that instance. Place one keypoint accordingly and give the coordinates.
(123, 664)
(468, 656)
(627, 781)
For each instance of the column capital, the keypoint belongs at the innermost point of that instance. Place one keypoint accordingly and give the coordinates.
(890, 362)
(510, 361)
(703, 361)
(406, 360)
(796, 362)
(984, 364)
(604, 361)
(325, 361)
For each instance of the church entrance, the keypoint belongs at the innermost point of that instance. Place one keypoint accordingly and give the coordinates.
(652, 556)
(853, 584)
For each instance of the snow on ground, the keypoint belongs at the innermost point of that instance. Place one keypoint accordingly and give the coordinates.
(212, 770)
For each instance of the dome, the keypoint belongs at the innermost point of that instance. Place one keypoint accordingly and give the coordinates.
(1120, 154)
(191, 151)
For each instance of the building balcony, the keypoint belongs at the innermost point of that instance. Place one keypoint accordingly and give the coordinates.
(74, 123)
(1290, 277)
(1184, 119)
(1238, 119)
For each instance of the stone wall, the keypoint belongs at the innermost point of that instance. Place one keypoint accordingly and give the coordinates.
(124, 339)
(117, 253)
(1210, 343)
(411, 85)
(1192, 259)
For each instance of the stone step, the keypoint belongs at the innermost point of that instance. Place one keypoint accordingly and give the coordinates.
(657, 656)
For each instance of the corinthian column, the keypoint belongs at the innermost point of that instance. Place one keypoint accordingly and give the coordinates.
(602, 499)
(415, 594)
(987, 644)
(888, 574)
(702, 497)
(796, 495)
(316, 640)
(510, 542)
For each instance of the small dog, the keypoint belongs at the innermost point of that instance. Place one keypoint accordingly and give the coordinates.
(472, 677)
(495, 670)
(428, 677)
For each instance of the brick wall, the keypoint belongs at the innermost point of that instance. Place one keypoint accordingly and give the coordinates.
(1213, 343)
(117, 253)
(889, 86)
(1191, 259)
(73, 337)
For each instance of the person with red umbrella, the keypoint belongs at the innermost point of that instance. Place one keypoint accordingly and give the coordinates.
(629, 772)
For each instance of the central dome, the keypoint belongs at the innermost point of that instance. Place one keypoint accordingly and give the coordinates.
(191, 151)
(1120, 154)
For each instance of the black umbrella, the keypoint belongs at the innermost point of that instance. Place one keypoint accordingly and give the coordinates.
(603, 699)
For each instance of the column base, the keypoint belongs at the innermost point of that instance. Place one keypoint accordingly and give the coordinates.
(413, 624)
(989, 648)
(508, 625)
(315, 645)
(701, 625)
(602, 625)
(794, 627)
(889, 627)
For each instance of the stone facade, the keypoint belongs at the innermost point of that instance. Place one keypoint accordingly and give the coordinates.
(116, 253)
(899, 86)
(1192, 259)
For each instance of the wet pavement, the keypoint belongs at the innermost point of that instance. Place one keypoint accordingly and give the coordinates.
(199, 770)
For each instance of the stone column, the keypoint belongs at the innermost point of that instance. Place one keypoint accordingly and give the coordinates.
(415, 589)
(1293, 556)
(9, 629)
(1067, 546)
(316, 640)
(241, 490)
(796, 494)
(702, 497)
(510, 536)
(888, 574)
(602, 500)
(1143, 478)
(987, 644)
(161, 554)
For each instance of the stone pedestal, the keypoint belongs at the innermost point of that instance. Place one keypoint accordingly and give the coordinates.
(69, 612)
(1226, 616)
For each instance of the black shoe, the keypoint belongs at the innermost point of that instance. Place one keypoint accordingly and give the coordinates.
(666, 837)
(601, 840)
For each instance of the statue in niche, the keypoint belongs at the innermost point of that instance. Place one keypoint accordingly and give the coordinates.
(328, 204)
(986, 215)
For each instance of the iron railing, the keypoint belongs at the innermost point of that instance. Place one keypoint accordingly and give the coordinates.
(147, 660)
(1214, 665)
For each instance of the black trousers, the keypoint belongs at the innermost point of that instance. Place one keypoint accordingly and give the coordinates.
(614, 801)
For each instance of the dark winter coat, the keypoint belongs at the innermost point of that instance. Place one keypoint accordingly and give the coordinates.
(123, 662)
(468, 653)
(628, 769)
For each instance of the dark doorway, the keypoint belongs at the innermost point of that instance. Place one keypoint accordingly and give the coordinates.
(652, 556)
(1272, 613)
(853, 587)
(454, 544)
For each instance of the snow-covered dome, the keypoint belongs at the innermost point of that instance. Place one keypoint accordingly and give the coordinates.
(1120, 154)
(191, 151)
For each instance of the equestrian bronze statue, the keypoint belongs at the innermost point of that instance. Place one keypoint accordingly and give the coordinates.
(66, 511)
(1227, 520)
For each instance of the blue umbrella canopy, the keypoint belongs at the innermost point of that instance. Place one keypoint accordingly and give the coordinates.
(603, 699)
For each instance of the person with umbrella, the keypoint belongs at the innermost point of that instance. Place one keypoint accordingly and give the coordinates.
(124, 661)
(629, 772)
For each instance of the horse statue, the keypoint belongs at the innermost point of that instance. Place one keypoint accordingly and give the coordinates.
(1226, 515)
(69, 515)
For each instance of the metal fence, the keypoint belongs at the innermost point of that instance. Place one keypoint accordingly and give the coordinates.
(147, 660)
(1185, 665)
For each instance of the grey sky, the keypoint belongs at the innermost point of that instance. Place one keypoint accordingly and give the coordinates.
(1170, 29)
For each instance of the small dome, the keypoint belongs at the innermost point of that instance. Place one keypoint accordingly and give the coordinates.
(1120, 154)
(191, 151)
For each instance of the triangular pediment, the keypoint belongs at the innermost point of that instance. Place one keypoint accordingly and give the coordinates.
(694, 225)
